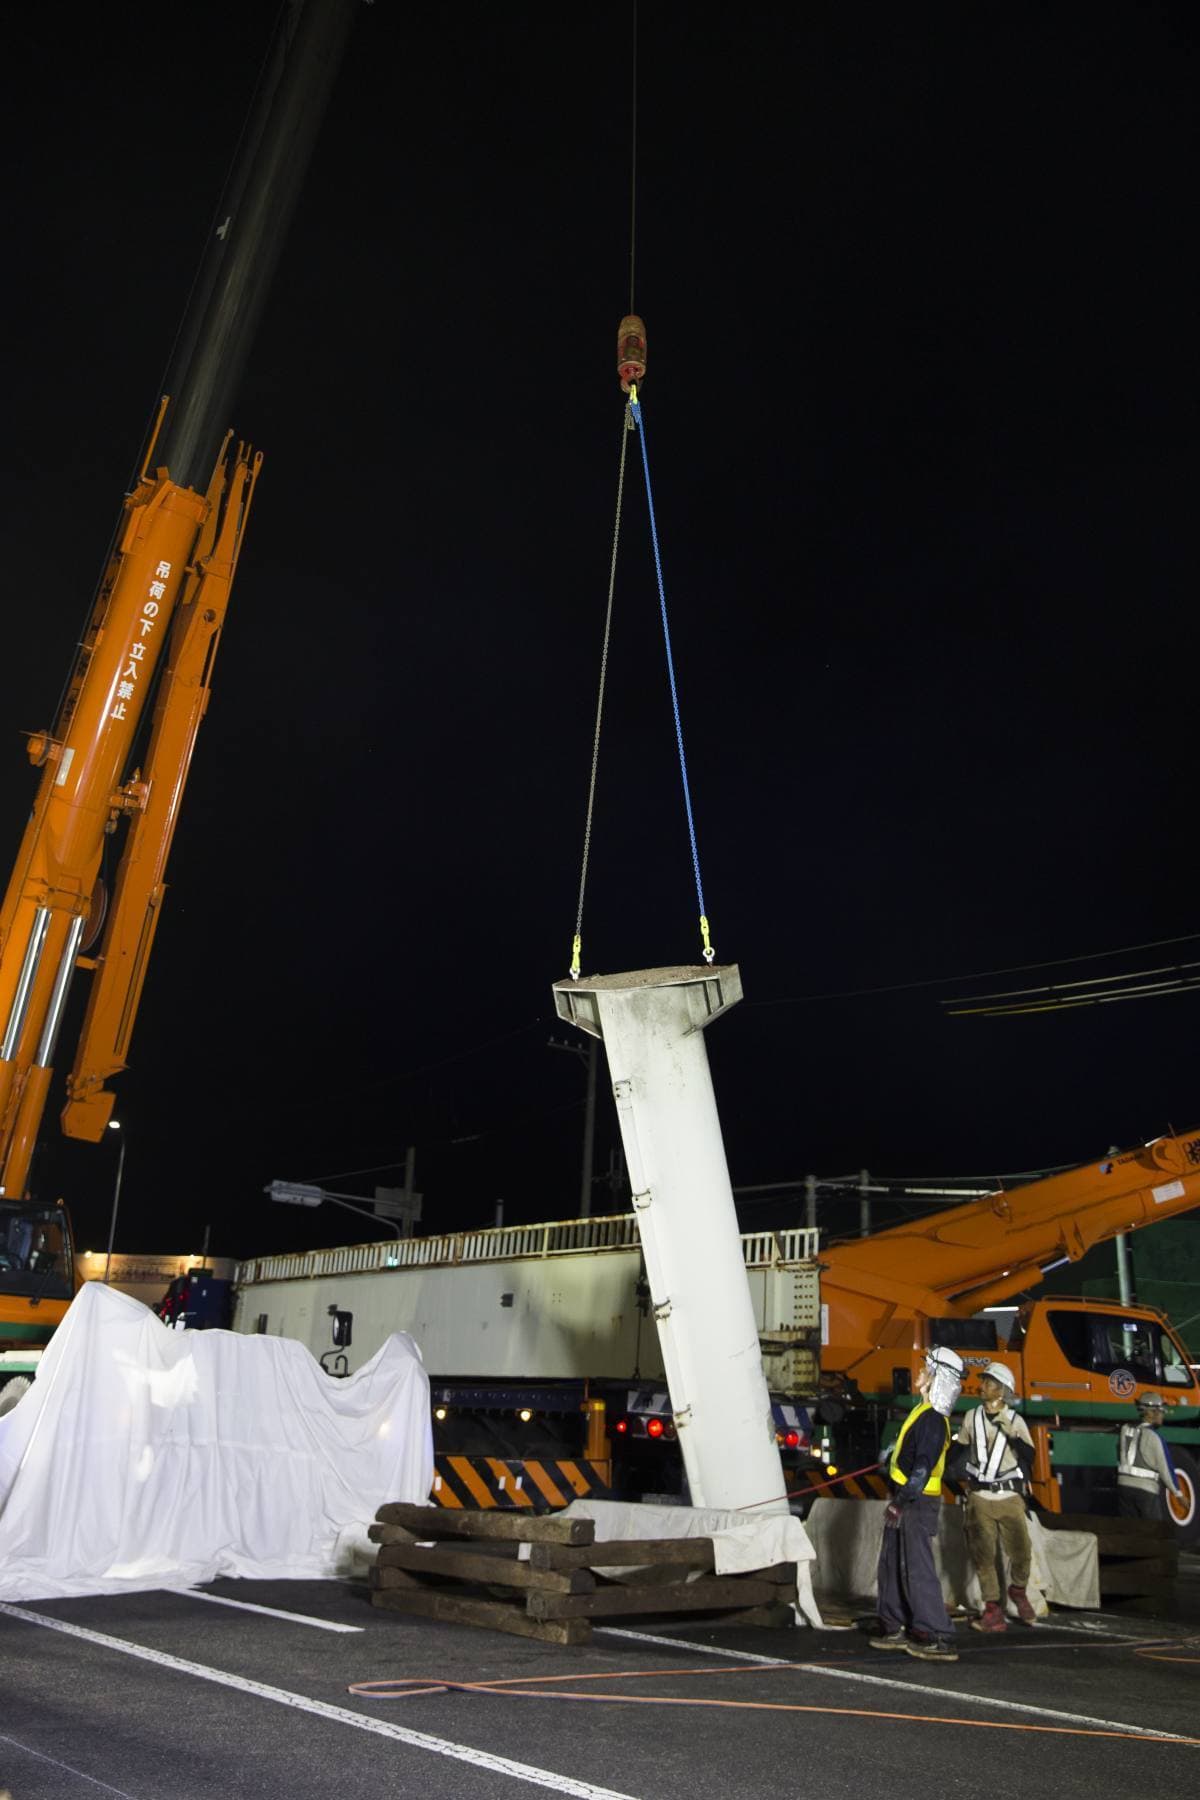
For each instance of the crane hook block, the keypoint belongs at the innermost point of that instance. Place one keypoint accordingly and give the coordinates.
(631, 351)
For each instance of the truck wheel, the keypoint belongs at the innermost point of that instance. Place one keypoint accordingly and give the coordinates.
(11, 1392)
(1184, 1513)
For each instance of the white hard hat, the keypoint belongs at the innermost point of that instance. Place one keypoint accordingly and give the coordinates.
(1151, 1403)
(941, 1357)
(1003, 1374)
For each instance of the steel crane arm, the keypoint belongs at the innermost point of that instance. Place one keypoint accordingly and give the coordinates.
(978, 1254)
(154, 796)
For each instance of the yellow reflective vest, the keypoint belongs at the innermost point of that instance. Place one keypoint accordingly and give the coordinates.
(934, 1484)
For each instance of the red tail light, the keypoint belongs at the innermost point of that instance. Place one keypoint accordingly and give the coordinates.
(621, 1427)
(654, 1428)
(791, 1440)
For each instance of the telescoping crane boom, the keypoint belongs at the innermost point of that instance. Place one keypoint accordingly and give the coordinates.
(958, 1261)
(146, 657)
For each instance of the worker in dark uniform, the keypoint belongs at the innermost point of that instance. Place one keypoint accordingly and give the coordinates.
(912, 1612)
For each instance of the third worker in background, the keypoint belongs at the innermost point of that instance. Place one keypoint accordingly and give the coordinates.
(999, 1457)
(1145, 1472)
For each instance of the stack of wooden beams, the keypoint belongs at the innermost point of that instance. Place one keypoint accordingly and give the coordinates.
(538, 1576)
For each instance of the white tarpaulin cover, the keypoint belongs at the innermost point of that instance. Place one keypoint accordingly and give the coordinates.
(847, 1534)
(144, 1457)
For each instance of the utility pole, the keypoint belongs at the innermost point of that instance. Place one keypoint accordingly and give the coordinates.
(589, 1054)
(589, 1132)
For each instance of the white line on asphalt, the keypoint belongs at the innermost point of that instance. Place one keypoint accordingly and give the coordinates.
(272, 1612)
(67, 1768)
(908, 1687)
(1098, 1629)
(337, 1715)
(670, 1643)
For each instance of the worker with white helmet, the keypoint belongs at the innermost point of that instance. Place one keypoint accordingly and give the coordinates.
(999, 1457)
(1145, 1472)
(912, 1612)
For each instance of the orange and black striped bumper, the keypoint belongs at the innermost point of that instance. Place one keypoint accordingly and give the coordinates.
(521, 1486)
(848, 1487)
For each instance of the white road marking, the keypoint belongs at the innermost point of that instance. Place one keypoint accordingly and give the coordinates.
(337, 1715)
(1097, 1628)
(67, 1768)
(272, 1612)
(671, 1643)
(962, 1696)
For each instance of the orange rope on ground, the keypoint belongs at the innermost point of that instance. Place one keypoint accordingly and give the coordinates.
(412, 1686)
(1153, 1651)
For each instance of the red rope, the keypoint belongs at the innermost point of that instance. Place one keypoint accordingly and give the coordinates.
(816, 1486)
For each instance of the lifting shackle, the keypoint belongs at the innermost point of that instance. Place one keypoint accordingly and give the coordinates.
(631, 352)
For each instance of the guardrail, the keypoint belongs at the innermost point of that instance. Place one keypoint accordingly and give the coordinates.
(505, 1243)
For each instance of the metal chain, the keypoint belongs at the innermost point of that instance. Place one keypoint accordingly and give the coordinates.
(577, 944)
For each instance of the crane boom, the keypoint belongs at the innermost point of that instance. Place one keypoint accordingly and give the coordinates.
(964, 1258)
(147, 651)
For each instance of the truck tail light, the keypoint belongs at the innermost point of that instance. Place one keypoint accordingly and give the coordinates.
(654, 1428)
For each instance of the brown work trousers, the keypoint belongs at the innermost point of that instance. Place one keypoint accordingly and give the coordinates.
(993, 1524)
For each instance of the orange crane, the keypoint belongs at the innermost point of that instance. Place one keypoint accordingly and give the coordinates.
(1080, 1364)
(145, 661)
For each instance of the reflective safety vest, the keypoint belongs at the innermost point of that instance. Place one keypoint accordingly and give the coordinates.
(1131, 1449)
(934, 1484)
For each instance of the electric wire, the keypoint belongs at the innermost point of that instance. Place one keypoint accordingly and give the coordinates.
(1056, 999)
(904, 987)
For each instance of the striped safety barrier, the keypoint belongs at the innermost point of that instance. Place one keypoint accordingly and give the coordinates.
(846, 1487)
(523, 1486)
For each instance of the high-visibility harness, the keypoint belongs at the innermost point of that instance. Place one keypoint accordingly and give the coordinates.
(1131, 1442)
(898, 1475)
(985, 1470)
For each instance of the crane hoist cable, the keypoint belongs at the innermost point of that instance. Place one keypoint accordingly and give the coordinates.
(577, 941)
(631, 369)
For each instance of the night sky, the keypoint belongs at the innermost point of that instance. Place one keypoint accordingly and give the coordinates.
(921, 415)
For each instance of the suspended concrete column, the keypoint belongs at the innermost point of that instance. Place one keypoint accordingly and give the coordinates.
(652, 1024)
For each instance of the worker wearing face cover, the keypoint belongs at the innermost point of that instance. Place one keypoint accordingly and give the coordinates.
(999, 1457)
(912, 1613)
(1145, 1472)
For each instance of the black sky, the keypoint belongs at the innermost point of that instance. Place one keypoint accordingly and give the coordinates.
(922, 419)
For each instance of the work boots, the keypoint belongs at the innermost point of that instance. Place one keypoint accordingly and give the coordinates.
(1023, 1604)
(992, 1618)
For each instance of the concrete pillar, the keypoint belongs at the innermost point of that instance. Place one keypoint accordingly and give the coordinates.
(652, 1025)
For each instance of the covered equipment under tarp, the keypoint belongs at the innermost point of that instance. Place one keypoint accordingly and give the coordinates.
(144, 1457)
(847, 1534)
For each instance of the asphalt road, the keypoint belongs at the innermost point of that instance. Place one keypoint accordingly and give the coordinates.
(170, 1694)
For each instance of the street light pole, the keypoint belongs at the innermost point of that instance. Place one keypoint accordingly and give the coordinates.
(298, 1193)
(115, 1125)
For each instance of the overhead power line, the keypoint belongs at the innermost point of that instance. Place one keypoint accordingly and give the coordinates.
(1058, 997)
(931, 981)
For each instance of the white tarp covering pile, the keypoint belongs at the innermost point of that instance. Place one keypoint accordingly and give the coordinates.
(848, 1533)
(144, 1457)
